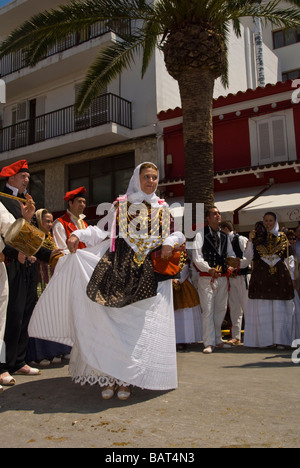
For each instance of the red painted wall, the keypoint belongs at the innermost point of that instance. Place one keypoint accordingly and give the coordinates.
(297, 127)
(231, 141)
(173, 139)
(231, 145)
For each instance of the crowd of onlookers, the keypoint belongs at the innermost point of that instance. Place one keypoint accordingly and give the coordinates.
(257, 303)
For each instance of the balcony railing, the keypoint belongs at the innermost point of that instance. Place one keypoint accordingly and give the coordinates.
(108, 108)
(16, 61)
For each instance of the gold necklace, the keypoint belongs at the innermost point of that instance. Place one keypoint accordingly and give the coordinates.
(144, 226)
(275, 246)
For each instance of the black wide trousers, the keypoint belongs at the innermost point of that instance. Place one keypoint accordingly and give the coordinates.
(22, 281)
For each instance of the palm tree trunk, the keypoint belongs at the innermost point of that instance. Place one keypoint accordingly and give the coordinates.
(196, 90)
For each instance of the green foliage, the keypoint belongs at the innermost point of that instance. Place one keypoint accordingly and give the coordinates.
(153, 23)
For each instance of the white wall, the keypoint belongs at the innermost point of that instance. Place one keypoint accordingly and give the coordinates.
(167, 90)
(242, 66)
(289, 56)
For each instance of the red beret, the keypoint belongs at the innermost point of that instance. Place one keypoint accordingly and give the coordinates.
(80, 192)
(15, 168)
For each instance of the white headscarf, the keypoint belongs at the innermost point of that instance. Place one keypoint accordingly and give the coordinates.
(134, 192)
(275, 230)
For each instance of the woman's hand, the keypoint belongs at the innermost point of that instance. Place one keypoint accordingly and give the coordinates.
(73, 242)
(166, 251)
(28, 210)
(252, 236)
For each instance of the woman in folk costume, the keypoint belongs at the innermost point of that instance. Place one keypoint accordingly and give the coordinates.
(44, 351)
(188, 320)
(270, 312)
(106, 302)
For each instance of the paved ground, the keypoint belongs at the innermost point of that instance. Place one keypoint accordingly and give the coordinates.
(236, 398)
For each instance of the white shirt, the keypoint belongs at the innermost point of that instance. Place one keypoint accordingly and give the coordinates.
(6, 220)
(59, 232)
(297, 249)
(198, 258)
(14, 190)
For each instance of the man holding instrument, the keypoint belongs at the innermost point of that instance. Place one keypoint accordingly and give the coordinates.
(22, 276)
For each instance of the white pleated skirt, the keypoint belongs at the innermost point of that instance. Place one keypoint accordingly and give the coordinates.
(188, 325)
(297, 316)
(135, 344)
(3, 308)
(269, 322)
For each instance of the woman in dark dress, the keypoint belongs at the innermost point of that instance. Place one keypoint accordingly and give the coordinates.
(113, 310)
(270, 314)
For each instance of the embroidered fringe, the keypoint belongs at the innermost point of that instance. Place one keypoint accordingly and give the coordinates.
(101, 380)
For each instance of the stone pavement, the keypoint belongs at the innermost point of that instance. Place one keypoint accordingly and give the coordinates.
(232, 398)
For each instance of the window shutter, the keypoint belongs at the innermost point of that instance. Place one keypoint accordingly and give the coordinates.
(272, 140)
(264, 142)
(279, 139)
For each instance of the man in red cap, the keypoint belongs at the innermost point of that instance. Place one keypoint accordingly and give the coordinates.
(22, 277)
(72, 220)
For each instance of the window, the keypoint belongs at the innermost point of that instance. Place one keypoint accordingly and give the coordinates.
(19, 129)
(272, 138)
(291, 75)
(271, 135)
(36, 188)
(286, 37)
(104, 178)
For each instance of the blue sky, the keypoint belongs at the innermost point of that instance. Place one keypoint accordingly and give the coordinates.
(4, 2)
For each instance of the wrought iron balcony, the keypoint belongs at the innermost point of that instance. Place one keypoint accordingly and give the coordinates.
(108, 108)
(16, 61)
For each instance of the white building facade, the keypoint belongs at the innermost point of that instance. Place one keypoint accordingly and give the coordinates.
(121, 129)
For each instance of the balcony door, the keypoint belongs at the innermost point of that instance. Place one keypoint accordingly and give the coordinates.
(32, 119)
(96, 115)
(19, 126)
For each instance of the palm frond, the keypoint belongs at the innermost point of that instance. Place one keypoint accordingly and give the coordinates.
(267, 11)
(45, 29)
(225, 75)
(109, 64)
(152, 32)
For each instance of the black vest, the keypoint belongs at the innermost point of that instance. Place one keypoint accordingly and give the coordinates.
(210, 254)
(238, 252)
